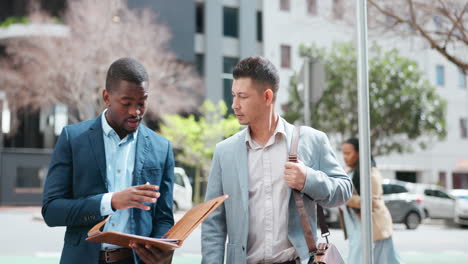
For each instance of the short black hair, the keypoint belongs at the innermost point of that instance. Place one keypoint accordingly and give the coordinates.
(259, 70)
(125, 69)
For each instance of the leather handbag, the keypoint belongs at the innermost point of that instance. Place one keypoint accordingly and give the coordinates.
(324, 253)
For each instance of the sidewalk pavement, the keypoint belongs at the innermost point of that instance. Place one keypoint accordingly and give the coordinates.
(25, 239)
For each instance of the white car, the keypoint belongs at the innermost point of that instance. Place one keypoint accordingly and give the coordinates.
(436, 202)
(182, 190)
(461, 206)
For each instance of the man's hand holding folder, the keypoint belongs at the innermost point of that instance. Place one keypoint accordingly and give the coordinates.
(154, 246)
(152, 255)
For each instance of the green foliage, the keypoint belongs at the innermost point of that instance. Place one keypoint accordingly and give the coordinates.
(24, 20)
(14, 20)
(405, 110)
(196, 139)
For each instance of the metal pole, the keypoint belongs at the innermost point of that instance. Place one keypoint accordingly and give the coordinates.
(364, 140)
(2, 108)
(306, 91)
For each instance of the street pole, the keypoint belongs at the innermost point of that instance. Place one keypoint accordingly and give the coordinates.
(2, 109)
(364, 140)
(306, 90)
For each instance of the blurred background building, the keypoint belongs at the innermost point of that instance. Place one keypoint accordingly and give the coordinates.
(229, 30)
(214, 36)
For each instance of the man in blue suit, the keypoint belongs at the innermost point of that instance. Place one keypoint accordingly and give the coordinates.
(112, 165)
(260, 217)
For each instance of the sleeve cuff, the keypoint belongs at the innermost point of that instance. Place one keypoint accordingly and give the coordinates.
(314, 185)
(106, 207)
(307, 182)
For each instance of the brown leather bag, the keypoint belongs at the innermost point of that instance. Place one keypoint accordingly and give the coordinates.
(324, 253)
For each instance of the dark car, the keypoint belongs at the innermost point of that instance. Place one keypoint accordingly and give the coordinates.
(404, 206)
(332, 216)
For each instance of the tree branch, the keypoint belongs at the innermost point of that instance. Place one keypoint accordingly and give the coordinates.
(444, 34)
(454, 21)
(423, 32)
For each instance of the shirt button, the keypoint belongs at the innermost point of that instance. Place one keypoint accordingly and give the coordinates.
(118, 171)
(113, 225)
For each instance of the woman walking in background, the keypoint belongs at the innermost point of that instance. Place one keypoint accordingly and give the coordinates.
(384, 250)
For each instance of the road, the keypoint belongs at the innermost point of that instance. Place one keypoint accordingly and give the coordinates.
(24, 238)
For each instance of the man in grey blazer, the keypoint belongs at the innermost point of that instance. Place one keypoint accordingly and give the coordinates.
(260, 217)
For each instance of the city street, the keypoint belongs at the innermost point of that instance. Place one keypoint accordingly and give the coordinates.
(26, 239)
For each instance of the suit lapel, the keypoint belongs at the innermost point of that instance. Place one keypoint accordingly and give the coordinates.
(97, 145)
(242, 168)
(141, 150)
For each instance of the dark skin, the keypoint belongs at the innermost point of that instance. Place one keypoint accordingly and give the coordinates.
(152, 255)
(126, 104)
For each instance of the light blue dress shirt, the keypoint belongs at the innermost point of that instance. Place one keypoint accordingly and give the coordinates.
(120, 162)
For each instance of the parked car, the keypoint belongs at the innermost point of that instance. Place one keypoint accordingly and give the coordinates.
(437, 204)
(331, 216)
(404, 206)
(461, 206)
(182, 190)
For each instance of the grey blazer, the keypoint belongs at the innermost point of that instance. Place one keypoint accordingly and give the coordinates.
(326, 183)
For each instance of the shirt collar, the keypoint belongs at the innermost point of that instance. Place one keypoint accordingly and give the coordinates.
(279, 130)
(107, 129)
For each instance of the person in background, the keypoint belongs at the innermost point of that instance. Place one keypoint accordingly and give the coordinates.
(384, 250)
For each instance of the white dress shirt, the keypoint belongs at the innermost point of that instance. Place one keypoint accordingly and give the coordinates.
(268, 201)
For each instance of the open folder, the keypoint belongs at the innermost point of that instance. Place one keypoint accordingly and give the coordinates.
(171, 240)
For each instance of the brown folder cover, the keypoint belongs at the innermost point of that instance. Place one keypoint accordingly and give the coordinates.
(172, 239)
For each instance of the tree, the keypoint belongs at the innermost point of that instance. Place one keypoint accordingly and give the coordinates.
(43, 70)
(441, 23)
(405, 110)
(196, 139)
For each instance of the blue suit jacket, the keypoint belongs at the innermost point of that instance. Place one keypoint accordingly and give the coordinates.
(76, 182)
(326, 183)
